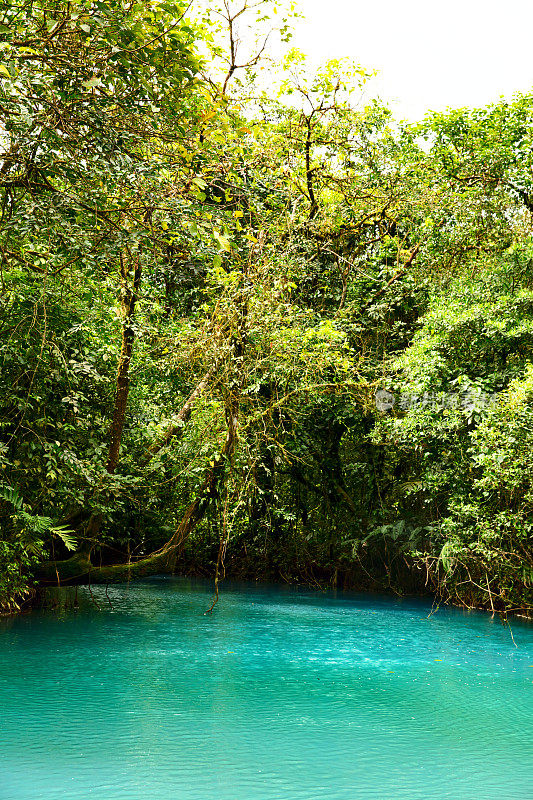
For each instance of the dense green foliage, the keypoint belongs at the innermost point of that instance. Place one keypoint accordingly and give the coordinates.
(276, 334)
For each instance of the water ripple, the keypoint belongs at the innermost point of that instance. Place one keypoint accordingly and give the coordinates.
(278, 695)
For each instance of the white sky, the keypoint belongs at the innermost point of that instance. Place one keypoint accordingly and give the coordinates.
(430, 54)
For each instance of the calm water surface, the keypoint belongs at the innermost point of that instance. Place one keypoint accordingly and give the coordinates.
(278, 695)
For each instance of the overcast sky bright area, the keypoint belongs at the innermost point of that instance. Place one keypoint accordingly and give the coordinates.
(430, 55)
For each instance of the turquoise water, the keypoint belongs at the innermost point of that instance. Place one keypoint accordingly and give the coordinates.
(278, 695)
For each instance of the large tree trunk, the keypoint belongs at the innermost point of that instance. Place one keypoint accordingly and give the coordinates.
(129, 298)
(129, 294)
(309, 171)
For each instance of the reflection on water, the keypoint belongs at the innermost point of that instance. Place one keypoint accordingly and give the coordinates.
(280, 694)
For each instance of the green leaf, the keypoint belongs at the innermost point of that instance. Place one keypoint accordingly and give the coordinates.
(66, 536)
(223, 241)
(91, 83)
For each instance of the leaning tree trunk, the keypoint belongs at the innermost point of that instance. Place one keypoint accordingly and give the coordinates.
(197, 509)
(176, 429)
(79, 569)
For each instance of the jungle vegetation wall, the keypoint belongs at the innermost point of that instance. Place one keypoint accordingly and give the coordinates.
(264, 333)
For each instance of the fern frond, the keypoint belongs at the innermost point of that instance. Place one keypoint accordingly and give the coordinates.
(66, 536)
(11, 495)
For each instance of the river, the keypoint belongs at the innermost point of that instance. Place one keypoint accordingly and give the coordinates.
(279, 694)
